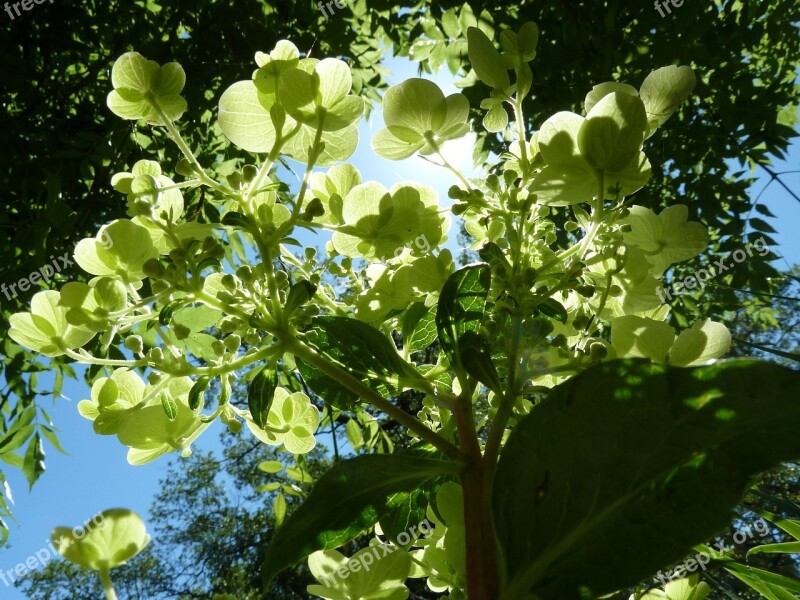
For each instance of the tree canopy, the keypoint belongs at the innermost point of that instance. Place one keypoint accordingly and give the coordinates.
(58, 180)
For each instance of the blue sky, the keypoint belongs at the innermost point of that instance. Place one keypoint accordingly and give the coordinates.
(95, 474)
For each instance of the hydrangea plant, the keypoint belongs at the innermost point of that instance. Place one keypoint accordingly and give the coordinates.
(569, 443)
(109, 540)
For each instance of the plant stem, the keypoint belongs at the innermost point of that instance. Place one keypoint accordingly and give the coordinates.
(309, 355)
(432, 142)
(523, 143)
(104, 362)
(597, 218)
(108, 587)
(506, 408)
(187, 152)
(483, 573)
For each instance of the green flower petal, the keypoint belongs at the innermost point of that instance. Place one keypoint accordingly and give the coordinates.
(112, 538)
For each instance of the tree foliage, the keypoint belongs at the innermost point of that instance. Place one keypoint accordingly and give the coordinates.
(561, 326)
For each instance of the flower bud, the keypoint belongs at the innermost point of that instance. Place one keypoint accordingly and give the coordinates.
(249, 173)
(598, 351)
(315, 208)
(229, 282)
(134, 344)
(185, 168)
(178, 256)
(233, 342)
(155, 355)
(153, 268)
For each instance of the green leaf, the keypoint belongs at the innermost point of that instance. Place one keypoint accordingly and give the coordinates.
(403, 511)
(602, 90)
(770, 585)
(33, 465)
(459, 316)
(383, 580)
(450, 24)
(50, 436)
(761, 225)
(170, 406)
(363, 351)
(553, 308)
(271, 466)
(564, 184)
(477, 360)
(328, 389)
(120, 249)
(345, 501)
(782, 548)
(338, 145)
(260, 394)
(279, 509)
(291, 421)
(485, 60)
(45, 328)
(354, 436)
(682, 445)
(299, 294)
(418, 327)
(496, 119)
(196, 393)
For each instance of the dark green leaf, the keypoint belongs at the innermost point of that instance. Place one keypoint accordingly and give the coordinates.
(403, 511)
(260, 394)
(418, 327)
(775, 351)
(238, 220)
(300, 293)
(33, 463)
(196, 393)
(554, 309)
(761, 225)
(345, 501)
(459, 316)
(165, 315)
(50, 436)
(325, 387)
(761, 208)
(361, 350)
(13, 440)
(477, 361)
(629, 447)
